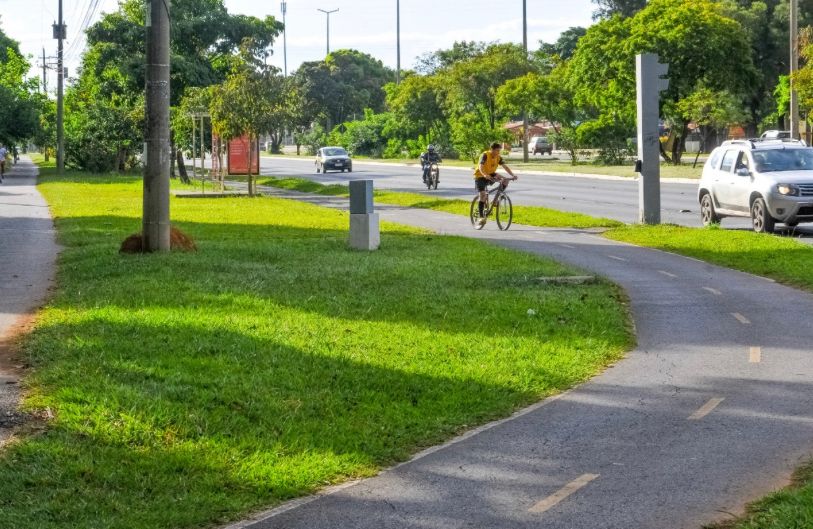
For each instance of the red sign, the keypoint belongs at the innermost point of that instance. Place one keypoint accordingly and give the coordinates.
(237, 157)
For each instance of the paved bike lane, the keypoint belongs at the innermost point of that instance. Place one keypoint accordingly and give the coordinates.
(712, 409)
(27, 259)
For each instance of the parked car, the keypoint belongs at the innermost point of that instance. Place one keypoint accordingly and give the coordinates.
(540, 145)
(770, 181)
(333, 159)
(775, 135)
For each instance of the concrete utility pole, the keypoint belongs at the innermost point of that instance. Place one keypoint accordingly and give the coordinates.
(328, 13)
(398, 41)
(794, 67)
(60, 34)
(44, 73)
(156, 144)
(284, 7)
(525, 156)
(649, 74)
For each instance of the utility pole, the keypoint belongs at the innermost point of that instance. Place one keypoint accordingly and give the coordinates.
(794, 67)
(328, 13)
(156, 141)
(60, 34)
(284, 7)
(44, 73)
(525, 156)
(398, 41)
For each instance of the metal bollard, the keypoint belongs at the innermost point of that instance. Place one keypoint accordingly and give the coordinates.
(364, 224)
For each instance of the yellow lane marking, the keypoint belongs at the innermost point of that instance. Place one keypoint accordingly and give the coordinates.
(617, 258)
(667, 274)
(755, 355)
(740, 318)
(562, 494)
(706, 408)
(713, 291)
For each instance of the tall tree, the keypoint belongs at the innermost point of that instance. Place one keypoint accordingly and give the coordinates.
(623, 8)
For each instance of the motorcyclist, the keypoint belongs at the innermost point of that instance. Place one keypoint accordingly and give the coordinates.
(429, 157)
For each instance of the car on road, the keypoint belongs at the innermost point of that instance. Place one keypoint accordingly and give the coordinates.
(540, 145)
(770, 181)
(333, 159)
(775, 135)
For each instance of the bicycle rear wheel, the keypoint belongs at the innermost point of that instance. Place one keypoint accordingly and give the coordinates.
(505, 212)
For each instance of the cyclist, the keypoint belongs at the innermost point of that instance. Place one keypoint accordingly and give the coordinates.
(3, 155)
(429, 157)
(486, 173)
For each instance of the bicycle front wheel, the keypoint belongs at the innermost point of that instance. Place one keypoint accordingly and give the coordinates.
(474, 213)
(505, 212)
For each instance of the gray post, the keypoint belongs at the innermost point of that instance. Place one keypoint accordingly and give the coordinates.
(794, 67)
(650, 84)
(156, 141)
(60, 94)
(397, 41)
(525, 156)
(364, 224)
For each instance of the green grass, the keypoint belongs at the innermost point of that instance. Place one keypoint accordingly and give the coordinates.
(791, 508)
(189, 389)
(556, 165)
(529, 215)
(779, 258)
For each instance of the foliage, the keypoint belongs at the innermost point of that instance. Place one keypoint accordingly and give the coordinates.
(19, 103)
(434, 62)
(366, 137)
(621, 8)
(259, 371)
(548, 55)
(314, 139)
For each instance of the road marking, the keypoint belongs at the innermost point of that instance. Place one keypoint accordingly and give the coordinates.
(740, 318)
(562, 494)
(617, 258)
(667, 274)
(713, 291)
(706, 408)
(567, 246)
(755, 355)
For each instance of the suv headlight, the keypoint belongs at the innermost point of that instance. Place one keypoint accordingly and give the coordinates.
(788, 190)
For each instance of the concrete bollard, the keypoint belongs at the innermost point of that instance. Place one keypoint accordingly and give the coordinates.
(364, 224)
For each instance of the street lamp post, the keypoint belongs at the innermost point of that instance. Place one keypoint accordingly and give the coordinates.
(794, 66)
(284, 7)
(525, 156)
(328, 13)
(398, 41)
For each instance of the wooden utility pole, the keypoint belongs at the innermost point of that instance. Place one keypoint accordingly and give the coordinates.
(59, 34)
(157, 152)
(525, 156)
(794, 67)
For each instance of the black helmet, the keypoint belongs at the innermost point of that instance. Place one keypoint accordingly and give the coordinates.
(431, 148)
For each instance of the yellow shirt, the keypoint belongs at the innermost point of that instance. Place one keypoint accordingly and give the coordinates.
(490, 164)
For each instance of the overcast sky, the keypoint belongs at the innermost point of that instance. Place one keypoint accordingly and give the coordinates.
(366, 25)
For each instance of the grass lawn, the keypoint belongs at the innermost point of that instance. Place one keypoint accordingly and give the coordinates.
(791, 508)
(779, 258)
(189, 389)
(529, 215)
(556, 165)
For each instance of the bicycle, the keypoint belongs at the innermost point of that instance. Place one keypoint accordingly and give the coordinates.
(433, 176)
(500, 203)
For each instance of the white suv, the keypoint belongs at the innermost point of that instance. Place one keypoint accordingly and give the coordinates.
(768, 180)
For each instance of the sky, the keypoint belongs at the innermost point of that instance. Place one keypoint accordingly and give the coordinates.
(366, 25)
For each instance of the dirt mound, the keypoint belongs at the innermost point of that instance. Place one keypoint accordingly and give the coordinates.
(178, 241)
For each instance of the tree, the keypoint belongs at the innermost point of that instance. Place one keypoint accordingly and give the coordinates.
(433, 62)
(19, 104)
(545, 97)
(695, 38)
(343, 85)
(564, 47)
(245, 105)
(416, 104)
(623, 8)
(711, 110)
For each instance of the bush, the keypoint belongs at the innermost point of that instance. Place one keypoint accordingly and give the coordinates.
(313, 140)
(365, 137)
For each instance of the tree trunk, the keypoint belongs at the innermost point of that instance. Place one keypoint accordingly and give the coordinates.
(172, 158)
(679, 145)
(250, 164)
(663, 153)
(182, 167)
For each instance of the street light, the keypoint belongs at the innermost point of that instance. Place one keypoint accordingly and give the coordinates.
(525, 156)
(328, 13)
(284, 7)
(398, 41)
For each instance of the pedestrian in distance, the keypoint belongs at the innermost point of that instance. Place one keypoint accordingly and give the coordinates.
(3, 155)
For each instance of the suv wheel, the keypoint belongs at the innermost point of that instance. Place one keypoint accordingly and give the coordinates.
(762, 220)
(707, 213)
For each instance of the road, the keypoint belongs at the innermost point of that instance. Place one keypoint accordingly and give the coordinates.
(713, 408)
(27, 255)
(612, 198)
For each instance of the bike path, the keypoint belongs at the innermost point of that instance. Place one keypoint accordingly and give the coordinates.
(712, 409)
(28, 253)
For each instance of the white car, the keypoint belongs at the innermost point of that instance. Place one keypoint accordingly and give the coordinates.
(769, 181)
(333, 159)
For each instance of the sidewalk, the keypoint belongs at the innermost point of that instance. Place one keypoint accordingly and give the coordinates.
(28, 253)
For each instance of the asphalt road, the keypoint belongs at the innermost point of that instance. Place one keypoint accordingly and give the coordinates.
(612, 198)
(712, 409)
(27, 255)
